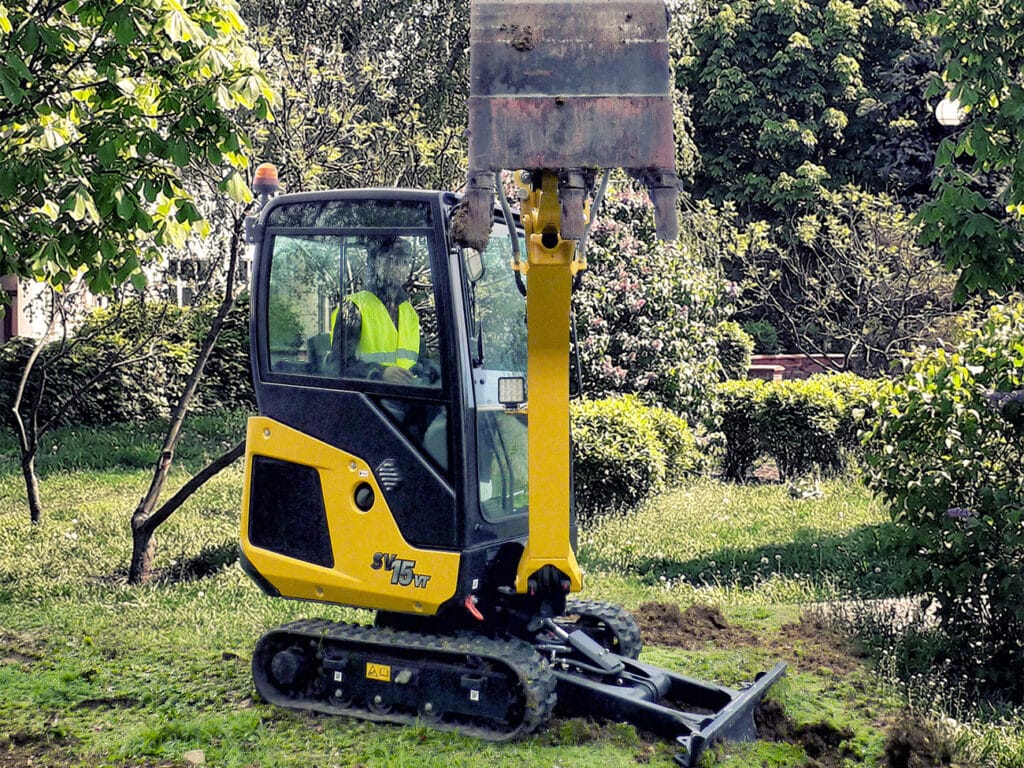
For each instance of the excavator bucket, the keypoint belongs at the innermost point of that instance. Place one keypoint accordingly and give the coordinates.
(565, 86)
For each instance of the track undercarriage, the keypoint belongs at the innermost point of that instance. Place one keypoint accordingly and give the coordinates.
(500, 688)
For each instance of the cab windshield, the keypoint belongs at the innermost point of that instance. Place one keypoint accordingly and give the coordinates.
(354, 301)
(499, 351)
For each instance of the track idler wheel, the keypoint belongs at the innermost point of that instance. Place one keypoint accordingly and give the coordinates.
(610, 625)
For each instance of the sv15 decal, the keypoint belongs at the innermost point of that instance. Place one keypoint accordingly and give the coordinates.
(403, 573)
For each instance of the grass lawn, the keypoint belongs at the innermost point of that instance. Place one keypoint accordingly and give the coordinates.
(725, 581)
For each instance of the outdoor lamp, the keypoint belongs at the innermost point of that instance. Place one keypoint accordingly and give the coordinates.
(949, 112)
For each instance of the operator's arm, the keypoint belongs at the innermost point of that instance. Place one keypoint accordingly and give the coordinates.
(347, 329)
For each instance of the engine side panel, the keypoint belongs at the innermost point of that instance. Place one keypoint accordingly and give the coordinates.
(373, 565)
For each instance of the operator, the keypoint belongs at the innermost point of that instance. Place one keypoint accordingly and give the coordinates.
(378, 328)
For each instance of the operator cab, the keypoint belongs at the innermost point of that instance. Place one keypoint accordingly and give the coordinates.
(449, 458)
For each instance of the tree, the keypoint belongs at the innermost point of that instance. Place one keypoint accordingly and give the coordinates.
(148, 516)
(858, 284)
(88, 377)
(105, 102)
(976, 214)
(791, 98)
(372, 92)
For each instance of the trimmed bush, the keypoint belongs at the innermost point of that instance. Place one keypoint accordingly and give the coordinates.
(947, 454)
(227, 380)
(803, 424)
(618, 461)
(800, 427)
(682, 456)
(735, 349)
(133, 382)
(741, 412)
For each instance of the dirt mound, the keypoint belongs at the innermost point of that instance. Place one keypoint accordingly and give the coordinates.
(823, 743)
(913, 743)
(664, 624)
(809, 643)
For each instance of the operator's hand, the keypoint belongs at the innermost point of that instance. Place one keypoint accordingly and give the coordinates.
(394, 374)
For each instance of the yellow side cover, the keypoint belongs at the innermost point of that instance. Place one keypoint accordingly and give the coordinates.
(374, 567)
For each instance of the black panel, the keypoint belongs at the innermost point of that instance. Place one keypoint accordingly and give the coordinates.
(423, 503)
(286, 511)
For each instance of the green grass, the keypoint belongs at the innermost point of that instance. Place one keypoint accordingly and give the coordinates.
(96, 673)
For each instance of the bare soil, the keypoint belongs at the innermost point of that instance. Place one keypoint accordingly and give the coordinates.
(913, 743)
(21, 749)
(822, 742)
(809, 644)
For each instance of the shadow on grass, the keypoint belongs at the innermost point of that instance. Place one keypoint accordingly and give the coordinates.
(863, 563)
(213, 559)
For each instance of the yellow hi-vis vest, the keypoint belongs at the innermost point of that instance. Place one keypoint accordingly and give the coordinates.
(379, 341)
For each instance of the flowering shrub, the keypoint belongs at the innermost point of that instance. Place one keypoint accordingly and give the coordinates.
(646, 311)
(948, 455)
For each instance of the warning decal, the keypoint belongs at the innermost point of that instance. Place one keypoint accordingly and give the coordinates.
(380, 672)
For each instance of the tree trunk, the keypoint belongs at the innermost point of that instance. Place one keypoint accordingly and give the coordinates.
(146, 517)
(144, 527)
(28, 471)
(143, 550)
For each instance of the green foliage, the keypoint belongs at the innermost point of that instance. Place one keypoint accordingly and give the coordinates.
(976, 213)
(799, 426)
(646, 311)
(765, 336)
(135, 359)
(227, 378)
(735, 348)
(124, 364)
(794, 98)
(846, 277)
(682, 457)
(741, 408)
(802, 424)
(379, 101)
(625, 451)
(104, 105)
(618, 460)
(948, 456)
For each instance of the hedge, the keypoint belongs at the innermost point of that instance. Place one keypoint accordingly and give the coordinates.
(625, 452)
(802, 424)
(133, 382)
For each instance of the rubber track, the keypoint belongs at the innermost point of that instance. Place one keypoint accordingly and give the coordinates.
(537, 680)
(621, 623)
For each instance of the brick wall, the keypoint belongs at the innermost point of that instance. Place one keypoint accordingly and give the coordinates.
(777, 367)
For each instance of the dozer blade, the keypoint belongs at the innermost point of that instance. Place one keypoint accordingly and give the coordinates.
(696, 714)
(565, 86)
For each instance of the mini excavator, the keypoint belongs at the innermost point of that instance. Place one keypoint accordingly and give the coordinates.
(441, 497)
